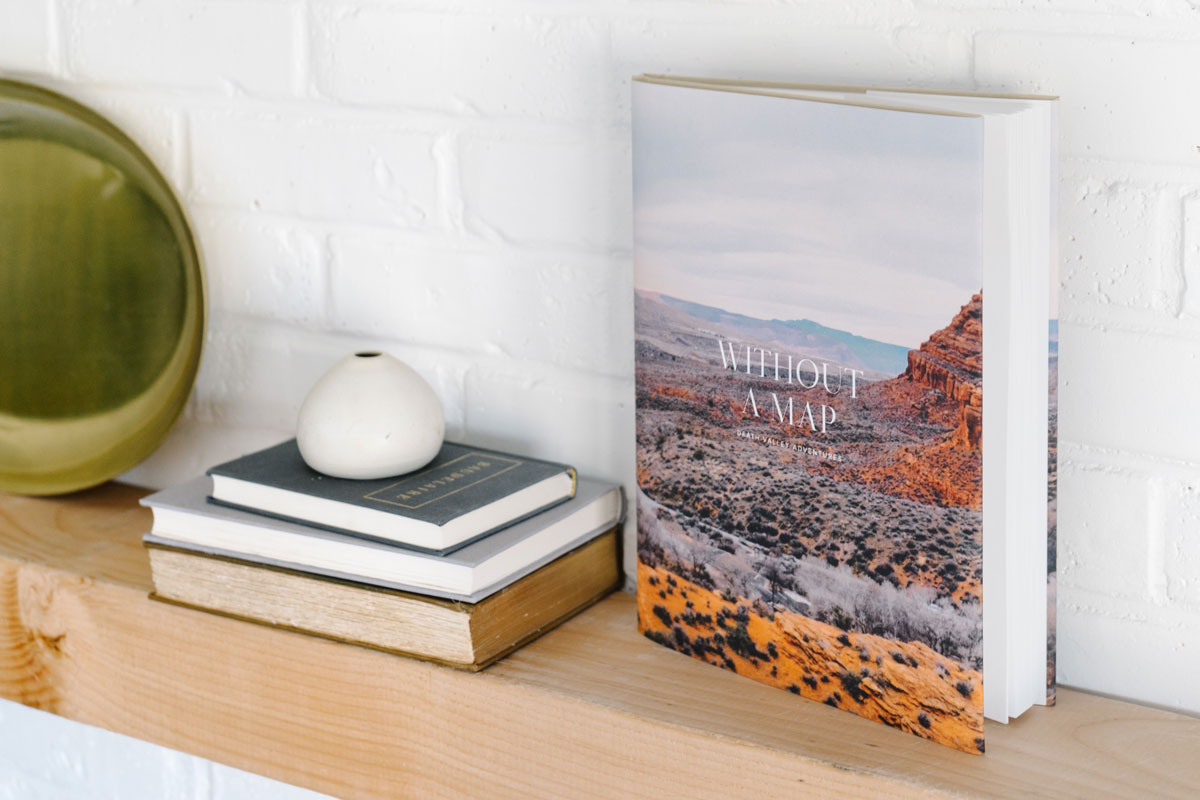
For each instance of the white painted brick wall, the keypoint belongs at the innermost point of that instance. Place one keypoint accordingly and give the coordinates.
(1118, 88)
(232, 46)
(450, 181)
(529, 189)
(313, 163)
(496, 65)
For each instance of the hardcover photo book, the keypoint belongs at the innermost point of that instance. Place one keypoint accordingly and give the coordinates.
(826, 281)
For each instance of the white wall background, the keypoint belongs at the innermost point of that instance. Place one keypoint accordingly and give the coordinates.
(451, 182)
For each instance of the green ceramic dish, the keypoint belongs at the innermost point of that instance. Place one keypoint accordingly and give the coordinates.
(101, 297)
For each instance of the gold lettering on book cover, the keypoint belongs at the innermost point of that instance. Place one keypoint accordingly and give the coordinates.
(444, 480)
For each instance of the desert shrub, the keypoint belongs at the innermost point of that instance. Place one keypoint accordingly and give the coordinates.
(772, 650)
(852, 683)
(844, 640)
(829, 701)
(762, 609)
(810, 681)
(663, 615)
(740, 642)
(651, 554)
(700, 577)
(923, 718)
(794, 689)
(964, 688)
(858, 604)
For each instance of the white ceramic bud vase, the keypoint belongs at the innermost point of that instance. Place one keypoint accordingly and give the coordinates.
(370, 416)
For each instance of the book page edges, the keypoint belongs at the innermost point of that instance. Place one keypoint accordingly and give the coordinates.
(735, 89)
(818, 87)
(485, 653)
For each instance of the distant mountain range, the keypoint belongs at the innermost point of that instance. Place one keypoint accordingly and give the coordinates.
(804, 334)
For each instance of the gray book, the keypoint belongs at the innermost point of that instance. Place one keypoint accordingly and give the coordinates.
(185, 520)
(463, 494)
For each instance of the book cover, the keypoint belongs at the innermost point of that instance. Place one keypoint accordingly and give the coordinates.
(809, 399)
(183, 519)
(460, 481)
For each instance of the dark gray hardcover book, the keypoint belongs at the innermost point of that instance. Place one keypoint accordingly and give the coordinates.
(184, 520)
(463, 494)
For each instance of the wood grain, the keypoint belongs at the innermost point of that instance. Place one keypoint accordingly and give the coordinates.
(590, 709)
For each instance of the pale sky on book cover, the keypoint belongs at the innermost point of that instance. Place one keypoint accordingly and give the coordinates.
(861, 219)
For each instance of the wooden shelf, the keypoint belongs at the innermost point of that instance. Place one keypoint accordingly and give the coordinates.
(591, 709)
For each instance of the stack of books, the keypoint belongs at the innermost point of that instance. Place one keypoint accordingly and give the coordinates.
(460, 562)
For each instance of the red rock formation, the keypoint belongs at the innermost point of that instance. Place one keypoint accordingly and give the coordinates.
(951, 361)
(943, 385)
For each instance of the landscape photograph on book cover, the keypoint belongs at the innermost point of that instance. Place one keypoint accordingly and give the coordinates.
(808, 354)
(1052, 510)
